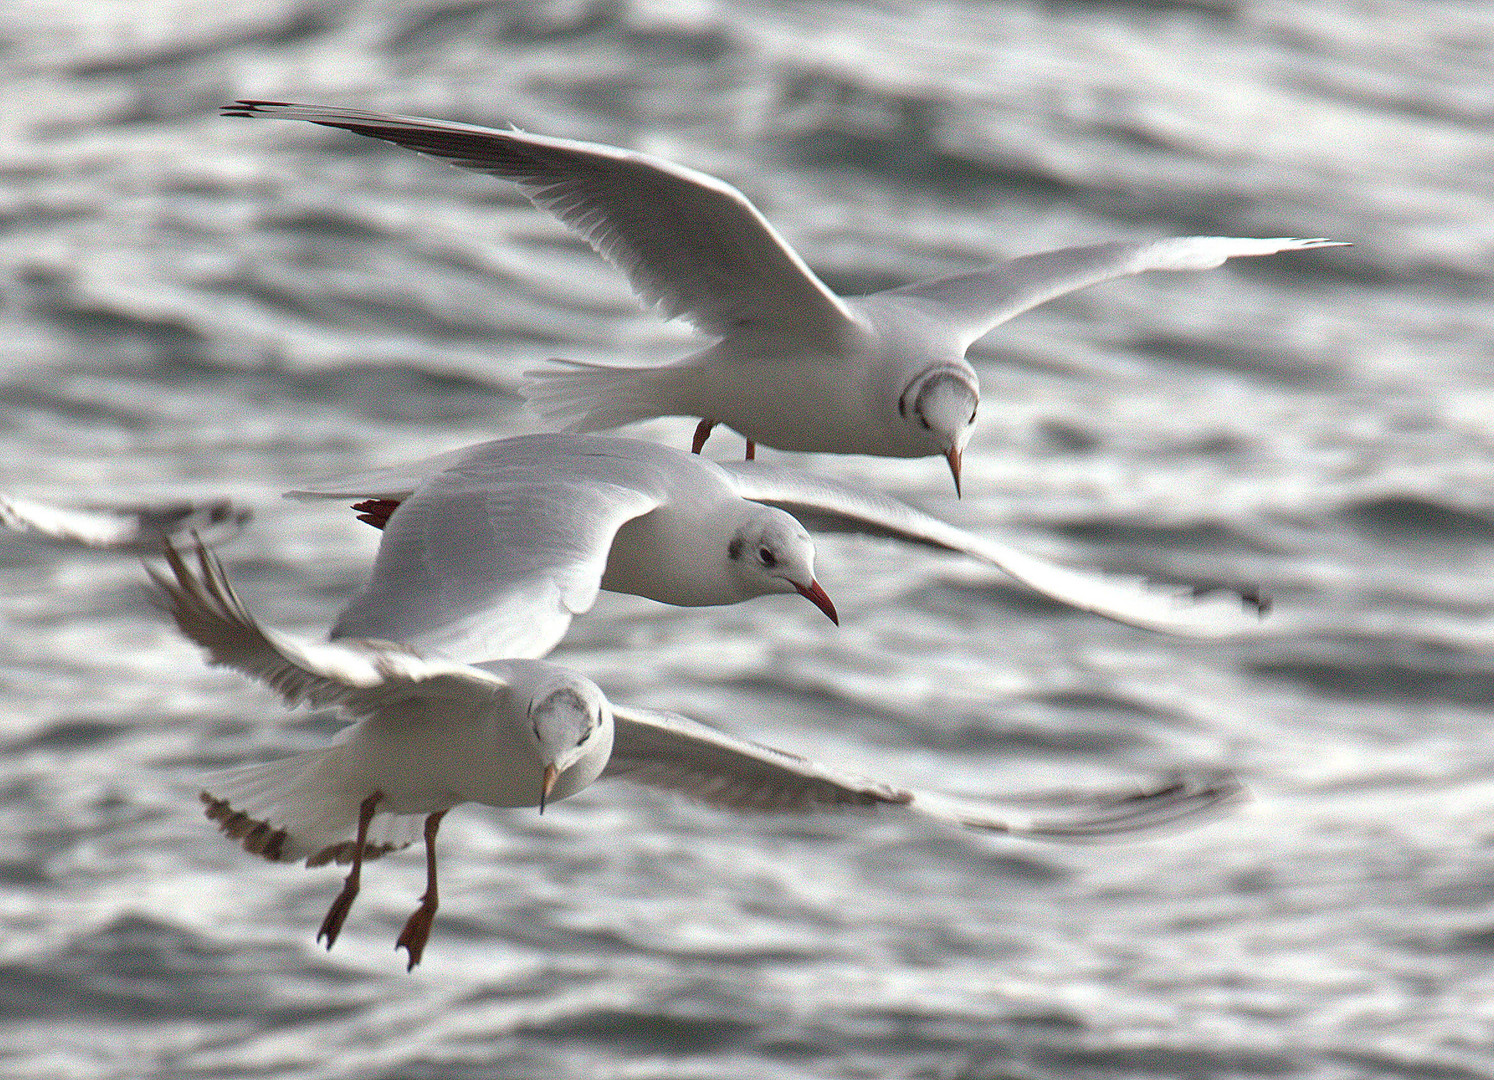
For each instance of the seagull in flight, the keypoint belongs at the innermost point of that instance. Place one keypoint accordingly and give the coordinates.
(429, 734)
(491, 549)
(135, 528)
(793, 365)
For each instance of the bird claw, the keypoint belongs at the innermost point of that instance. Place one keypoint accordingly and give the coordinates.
(336, 914)
(417, 932)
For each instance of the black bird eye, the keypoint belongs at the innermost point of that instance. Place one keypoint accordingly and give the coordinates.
(766, 557)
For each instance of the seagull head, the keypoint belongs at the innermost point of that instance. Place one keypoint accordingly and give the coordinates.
(770, 552)
(570, 725)
(940, 403)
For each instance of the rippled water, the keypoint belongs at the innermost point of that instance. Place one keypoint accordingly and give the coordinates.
(199, 306)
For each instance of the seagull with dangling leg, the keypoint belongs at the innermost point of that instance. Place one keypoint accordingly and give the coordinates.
(794, 366)
(430, 734)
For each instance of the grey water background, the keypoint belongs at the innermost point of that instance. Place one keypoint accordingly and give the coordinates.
(198, 306)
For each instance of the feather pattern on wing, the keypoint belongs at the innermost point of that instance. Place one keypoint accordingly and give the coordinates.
(688, 242)
(1134, 601)
(673, 752)
(973, 303)
(492, 556)
(362, 676)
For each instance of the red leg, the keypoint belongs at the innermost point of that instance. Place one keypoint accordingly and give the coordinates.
(418, 927)
(332, 924)
(376, 511)
(702, 433)
(751, 450)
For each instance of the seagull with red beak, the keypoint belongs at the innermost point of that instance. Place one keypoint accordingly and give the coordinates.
(794, 365)
(490, 550)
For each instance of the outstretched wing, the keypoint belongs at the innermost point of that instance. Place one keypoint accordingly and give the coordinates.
(362, 676)
(972, 304)
(1133, 601)
(665, 750)
(135, 529)
(688, 242)
(491, 557)
(395, 484)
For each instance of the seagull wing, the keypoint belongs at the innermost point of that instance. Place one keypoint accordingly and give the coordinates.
(687, 242)
(1133, 601)
(362, 676)
(974, 303)
(123, 528)
(665, 750)
(493, 556)
(396, 483)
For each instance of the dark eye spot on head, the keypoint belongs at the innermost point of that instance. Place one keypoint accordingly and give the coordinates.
(734, 549)
(766, 557)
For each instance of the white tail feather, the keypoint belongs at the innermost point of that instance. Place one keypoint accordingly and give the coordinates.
(590, 397)
(300, 808)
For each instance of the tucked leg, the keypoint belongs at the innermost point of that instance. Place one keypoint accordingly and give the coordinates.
(418, 927)
(751, 450)
(332, 924)
(376, 511)
(702, 433)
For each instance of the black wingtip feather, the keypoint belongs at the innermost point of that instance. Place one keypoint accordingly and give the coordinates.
(250, 107)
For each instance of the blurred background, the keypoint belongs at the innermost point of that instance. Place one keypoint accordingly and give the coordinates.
(193, 307)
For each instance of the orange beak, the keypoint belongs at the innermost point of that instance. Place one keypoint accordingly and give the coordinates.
(953, 456)
(547, 781)
(816, 596)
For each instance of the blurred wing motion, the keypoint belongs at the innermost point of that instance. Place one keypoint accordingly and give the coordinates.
(362, 676)
(673, 752)
(1174, 609)
(134, 529)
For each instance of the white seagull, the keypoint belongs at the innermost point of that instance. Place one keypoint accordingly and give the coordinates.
(136, 529)
(494, 548)
(431, 734)
(491, 549)
(795, 366)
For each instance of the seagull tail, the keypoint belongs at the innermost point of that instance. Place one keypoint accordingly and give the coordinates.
(300, 807)
(590, 397)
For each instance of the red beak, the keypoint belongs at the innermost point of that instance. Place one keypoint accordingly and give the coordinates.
(816, 596)
(547, 781)
(954, 467)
